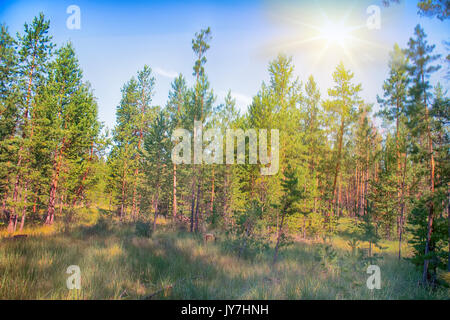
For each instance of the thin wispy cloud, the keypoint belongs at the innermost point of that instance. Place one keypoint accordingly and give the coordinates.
(165, 73)
(242, 100)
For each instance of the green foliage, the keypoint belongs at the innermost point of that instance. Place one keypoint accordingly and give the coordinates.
(368, 230)
(327, 256)
(143, 229)
(56, 159)
(438, 255)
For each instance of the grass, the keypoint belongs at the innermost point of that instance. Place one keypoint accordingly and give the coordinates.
(117, 264)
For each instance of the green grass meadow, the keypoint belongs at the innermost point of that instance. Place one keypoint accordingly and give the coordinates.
(118, 263)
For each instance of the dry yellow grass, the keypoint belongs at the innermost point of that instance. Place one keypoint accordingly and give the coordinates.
(117, 264)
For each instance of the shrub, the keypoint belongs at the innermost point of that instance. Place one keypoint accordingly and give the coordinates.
(143, 229)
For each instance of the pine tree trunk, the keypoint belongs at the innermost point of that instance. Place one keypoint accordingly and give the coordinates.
(211, 207)
(448, 226)
(174, 201)
(226, 204)
(428, 245)
(17, 183)
(61, 203)
(54, 185)
(86, 172)
(402, 208)
(338, 160)
(123, 199)
(156, 202)
(315, 198)
(197, 205)
(35, 202)
(366, 185)
(15, 224)
(134, 201)
(22, 222)
(12, 214)
(6, 195)
(277, 246)
(5, 199)
(138, 206)
(193, 202)
(25, 118)
(304, 227)
(339, 204)
(357, 191)
(24, 209)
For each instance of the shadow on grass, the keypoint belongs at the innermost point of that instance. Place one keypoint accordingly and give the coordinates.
(117, 264)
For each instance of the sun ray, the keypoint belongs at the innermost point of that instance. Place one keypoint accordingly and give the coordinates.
(369, 43)
(291, 44)
(320, 55)
(339, 36)
(350, 58)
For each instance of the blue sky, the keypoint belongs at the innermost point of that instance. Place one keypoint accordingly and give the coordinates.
(117, 38)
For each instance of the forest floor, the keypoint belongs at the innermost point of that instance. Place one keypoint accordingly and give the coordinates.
(116, 263)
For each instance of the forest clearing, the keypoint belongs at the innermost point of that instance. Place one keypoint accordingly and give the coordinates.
(335, 189)
(117, 262)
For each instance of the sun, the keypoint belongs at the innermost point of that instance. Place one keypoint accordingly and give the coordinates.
(335, 34)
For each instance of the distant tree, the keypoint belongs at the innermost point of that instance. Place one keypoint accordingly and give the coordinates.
(429, 8)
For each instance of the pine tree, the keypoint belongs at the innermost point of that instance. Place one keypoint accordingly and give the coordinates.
(436, 256)
(440, 120)
(342, 109)
(64, 82)
(227, 116)
(35, 49)
(200, 103)
(420, 69)
(9, 111)
(291, 196)
(157, 158)
(368, 230)
(276, 106)
(134, 115)
(176, 108)
(313, 141)
(145, 87)
(124, 144)
(395, 93)
(66, 129)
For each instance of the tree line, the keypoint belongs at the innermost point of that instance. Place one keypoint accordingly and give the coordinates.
(49, 131)
(393, 181)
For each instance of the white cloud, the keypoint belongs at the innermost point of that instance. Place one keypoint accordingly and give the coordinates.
(165, 73)
(242, 100)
